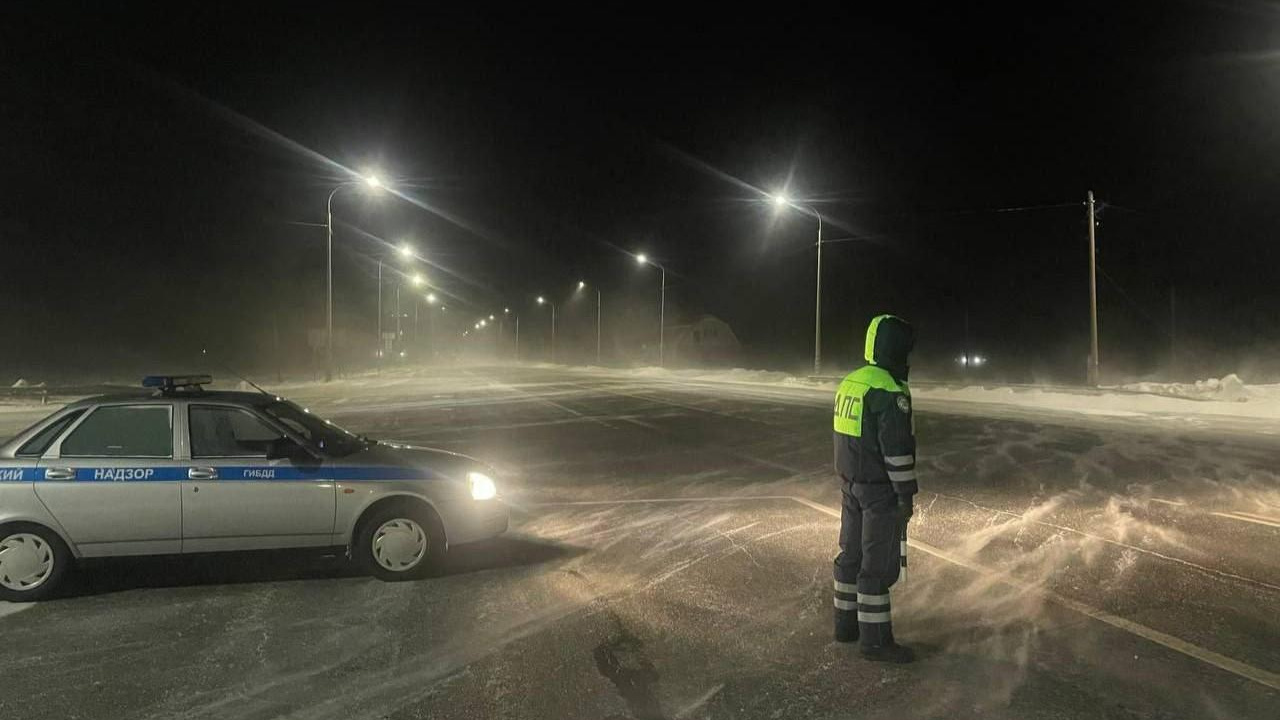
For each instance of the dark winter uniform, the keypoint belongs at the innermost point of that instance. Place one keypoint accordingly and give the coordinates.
(875, 455)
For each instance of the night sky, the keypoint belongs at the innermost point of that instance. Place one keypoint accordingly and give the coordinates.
(160, 173)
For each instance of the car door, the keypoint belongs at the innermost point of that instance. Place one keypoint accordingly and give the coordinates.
(112, 482)
(234, 498)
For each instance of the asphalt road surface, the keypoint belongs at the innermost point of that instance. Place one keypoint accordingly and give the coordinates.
(669, 557)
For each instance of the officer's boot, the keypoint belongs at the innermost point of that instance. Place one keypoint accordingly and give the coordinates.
(877, 631)
(846, 626)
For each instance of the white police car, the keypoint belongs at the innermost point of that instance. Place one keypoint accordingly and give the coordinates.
(186, 470)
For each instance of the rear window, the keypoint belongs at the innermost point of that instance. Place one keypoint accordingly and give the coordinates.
(36, 446)
(123, 431)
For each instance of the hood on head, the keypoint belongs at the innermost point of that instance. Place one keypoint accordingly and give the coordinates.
(890, 340)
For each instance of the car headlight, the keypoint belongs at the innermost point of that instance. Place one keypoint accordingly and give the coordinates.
(482, 486)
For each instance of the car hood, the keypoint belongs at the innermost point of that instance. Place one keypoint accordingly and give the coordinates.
(434, 463)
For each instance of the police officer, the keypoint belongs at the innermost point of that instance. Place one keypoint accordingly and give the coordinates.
(875, 458)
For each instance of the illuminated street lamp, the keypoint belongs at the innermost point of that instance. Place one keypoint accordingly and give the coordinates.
(431, 298)
(544, 301)
(582, 284)
(643, 259)
(418, 279)
(780, 203)
(372, 182)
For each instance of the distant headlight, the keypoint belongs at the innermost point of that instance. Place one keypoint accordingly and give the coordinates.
(482, 486)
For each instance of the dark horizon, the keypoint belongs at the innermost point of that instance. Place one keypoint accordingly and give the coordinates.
(165, 175)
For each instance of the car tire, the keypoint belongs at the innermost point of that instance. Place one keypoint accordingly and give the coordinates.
(34, 562)
(399, 541)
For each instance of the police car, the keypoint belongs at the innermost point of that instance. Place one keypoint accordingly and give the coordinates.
(185, 470)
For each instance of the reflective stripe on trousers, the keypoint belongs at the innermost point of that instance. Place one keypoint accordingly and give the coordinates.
(845, 594)
(873, 608)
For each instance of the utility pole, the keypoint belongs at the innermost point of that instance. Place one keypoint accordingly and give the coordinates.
(1173, 330)
(380, 340)
(662, 321)
(817, 305)
(598, 302)
(517, 338)
(1093, 298)
(275, 343)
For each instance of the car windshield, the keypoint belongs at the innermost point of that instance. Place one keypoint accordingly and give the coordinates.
(326, 437)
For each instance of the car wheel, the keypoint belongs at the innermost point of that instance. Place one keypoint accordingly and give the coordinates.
(33, 562)
(400, 541)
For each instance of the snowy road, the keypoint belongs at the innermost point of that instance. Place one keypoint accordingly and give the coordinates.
(669, 558)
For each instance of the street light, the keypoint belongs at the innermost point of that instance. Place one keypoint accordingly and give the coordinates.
(381, 262)
(372, 182)
(431, 298)
(780, 203)
(544, 301)
(643, 259)
(406, 251)
(416, 279)
(582, 284)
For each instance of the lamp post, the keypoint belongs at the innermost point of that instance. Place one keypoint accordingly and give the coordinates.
(780, 202)
(374, 183)
(431, 324)
(502, 332)
(662, 308)
(544, 301)
(417, 281)
(582, 284)
(405, 251)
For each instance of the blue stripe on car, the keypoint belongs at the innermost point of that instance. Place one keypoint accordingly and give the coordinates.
(246, 472)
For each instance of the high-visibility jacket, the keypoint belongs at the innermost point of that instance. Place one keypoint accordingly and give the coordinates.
(874, 431)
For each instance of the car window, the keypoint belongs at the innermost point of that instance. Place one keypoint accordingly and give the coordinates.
(218, 431)
(328, 438)
(41, 441)
(123, 431)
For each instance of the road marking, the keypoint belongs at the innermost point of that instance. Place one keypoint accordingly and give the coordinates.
(1174, 503)
(1117, 543)
(1178, 645)
(542, 399)
(8, 608)
(640, 501)
(1249, 517)
(1256, 516)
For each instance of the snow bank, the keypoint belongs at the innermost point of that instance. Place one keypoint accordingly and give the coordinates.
(1228, 396)
(1178, 401)
(740, 375)
(1229, 389)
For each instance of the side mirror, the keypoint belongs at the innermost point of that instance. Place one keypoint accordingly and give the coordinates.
(285, 448)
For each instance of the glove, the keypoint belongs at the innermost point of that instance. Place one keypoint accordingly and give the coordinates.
(905, 509)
